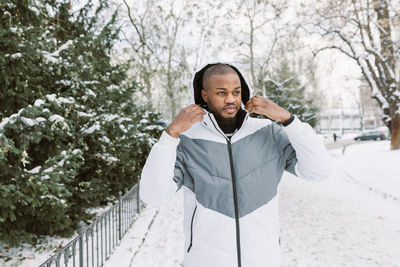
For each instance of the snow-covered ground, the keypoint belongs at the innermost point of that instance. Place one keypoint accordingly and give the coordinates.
(351, 219)
(346, 220)
(27, 255)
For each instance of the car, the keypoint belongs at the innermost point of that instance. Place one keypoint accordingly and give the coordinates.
(372, 135)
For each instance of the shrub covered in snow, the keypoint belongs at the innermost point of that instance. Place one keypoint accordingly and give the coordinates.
(288, 92)
(67, 142)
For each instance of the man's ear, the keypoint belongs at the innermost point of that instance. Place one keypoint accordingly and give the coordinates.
(204, 95)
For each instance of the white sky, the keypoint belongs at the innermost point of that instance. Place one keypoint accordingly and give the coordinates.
(336, 74)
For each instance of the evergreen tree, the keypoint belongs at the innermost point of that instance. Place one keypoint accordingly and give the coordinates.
(287, 91)
(71, 135)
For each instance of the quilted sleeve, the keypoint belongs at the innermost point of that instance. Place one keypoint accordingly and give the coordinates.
(162, 174)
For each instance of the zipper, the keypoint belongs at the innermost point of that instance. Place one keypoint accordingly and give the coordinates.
(191, 230)
(235, 200)
(219, 130)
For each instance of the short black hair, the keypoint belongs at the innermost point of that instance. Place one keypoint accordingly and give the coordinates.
(217, 69)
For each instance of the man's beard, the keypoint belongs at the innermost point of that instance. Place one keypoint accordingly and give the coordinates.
(226, 121)
(220, 119)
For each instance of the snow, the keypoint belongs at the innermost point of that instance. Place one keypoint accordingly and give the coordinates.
(76, 151)
(54, 57)
(383, 178)
(16, 30)
(35, 170)
(107, 157)
(64, 100)
(60, 100)
(344, 222)
(112, 159)
(110, 117)
(64, 82)
(94, 127)
(15, 56)
(62, 201)
(340, 221)
(61, 163)
(155, 239)
(375, 90)
(4, 122)
(91, 82)
(38, 103)
(122, 127)
(12, 119)
(40, 119)
(33, 256)
(49, 58)
(105, 139)
(83, 114)
(90, 93)
(112, 87)
(56, 118)
(51, 169)
(10, 5)
(153, 127)
(29, 122)
(51, 97)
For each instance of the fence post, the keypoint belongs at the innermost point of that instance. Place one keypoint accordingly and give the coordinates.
(137, 196)
(81, 227)
(120, 215)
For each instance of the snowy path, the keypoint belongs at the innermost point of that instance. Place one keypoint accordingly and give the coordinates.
(337, 222)
(163, 242)
(334, 223)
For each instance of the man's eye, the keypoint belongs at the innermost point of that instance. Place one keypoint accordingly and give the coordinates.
(236, 93)
(220, 93)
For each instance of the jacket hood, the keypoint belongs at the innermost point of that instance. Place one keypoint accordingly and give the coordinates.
(198, 85)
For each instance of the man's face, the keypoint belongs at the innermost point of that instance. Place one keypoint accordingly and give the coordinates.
(223, 95)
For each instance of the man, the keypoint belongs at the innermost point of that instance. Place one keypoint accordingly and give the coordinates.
(229, 166)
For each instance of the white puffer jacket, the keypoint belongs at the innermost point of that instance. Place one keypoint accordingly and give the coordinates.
(230, 185)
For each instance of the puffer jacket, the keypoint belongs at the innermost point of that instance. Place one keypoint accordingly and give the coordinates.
(230, 186)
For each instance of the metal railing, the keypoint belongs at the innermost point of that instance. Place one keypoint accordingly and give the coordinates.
(96, 242)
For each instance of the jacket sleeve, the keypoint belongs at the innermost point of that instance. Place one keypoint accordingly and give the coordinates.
(305, 154)
(161, 174)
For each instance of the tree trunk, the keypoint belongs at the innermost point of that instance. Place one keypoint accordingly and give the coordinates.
(395, 132)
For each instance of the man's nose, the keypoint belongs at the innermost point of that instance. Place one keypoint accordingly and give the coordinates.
(229, 98)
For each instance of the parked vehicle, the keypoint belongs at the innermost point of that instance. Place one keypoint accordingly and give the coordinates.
(372, 135)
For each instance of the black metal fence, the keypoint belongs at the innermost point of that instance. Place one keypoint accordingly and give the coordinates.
(96, 242)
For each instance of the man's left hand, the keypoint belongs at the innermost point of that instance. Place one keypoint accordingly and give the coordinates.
(261, 105)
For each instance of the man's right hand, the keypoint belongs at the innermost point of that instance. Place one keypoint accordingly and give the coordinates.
(185, 119)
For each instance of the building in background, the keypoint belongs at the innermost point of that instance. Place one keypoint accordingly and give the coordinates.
(366, 115)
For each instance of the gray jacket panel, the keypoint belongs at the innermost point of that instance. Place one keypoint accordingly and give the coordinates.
(259, 161)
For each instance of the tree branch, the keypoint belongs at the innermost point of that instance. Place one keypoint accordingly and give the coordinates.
(137, 29)
(333, 47)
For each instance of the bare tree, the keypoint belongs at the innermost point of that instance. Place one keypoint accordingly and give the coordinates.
(145, 61)
(365, 31)
(163, 44)
(255, 30)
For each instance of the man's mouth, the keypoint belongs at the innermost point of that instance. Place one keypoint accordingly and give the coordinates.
(230, 109)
